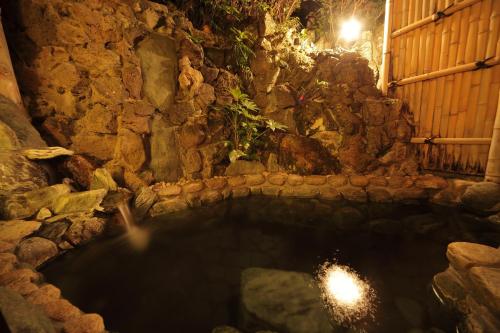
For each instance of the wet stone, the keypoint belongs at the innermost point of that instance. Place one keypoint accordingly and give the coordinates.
(36, 251)
(337, 180)
(277, 178)
(295, 180)
(464, 255)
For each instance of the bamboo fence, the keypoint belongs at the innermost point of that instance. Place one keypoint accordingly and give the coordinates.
(442, 57)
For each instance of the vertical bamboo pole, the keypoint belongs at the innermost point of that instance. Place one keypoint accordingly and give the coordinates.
(386, 60)
(8, 83)
(471, 109)
(493, 167)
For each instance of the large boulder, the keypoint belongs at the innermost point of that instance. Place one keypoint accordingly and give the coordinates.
(20, 316)
(158, 58)
(289, 302)
(19, 174)
(29, 203)
(14, 117)
(482, 197)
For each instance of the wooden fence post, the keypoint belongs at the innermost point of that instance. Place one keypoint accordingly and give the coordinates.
(386, 51)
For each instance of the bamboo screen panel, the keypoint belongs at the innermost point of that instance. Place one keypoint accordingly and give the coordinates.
(462, 103)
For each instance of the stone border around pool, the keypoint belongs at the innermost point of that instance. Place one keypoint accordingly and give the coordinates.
(21, 283)
(173, 197)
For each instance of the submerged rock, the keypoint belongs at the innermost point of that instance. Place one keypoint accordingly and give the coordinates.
(20, 316)
(36, 251)
(482, 197)
(225, 329)
(286, 301)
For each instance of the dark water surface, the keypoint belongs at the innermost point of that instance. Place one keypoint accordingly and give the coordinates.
(188, 278)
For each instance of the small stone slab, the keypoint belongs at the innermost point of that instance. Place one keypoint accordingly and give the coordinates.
(13, 231)
(101, 178)
(46, 153)
(87, 201)
(168, 206)
(463, 255)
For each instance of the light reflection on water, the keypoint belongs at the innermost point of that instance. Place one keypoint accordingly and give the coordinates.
(348, 297)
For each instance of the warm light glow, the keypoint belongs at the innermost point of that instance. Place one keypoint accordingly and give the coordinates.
(350, 30)
(348, 298)
(343, 286)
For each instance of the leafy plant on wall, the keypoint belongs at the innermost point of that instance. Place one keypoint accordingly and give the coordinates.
(248, 128)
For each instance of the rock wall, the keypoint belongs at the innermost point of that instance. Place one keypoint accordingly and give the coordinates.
(331, 99)
(120, 83)
(131, 85)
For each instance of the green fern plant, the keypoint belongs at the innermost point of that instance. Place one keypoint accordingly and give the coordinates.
(241, 50)
(247, 126)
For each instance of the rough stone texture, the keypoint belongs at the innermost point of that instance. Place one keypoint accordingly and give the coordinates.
(168, 206)
(60, 310)
(241, 167)
(14, 231)
(29, 203)
(305, 156)
(285, 301)
(470, 285)
(158, 58)
(87, 201)
(87, 323)
(18, 174)
(36, 251)
(165, 160)
(20, 316)
(80, 169)
(194, 186)
(14, 118)
(83, 228)
(256, 179)
(463, 256)
(101, 179)
(482, 197)
(45, 294)
(225, 329)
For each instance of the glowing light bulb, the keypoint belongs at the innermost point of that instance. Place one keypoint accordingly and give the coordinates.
(350, 30)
